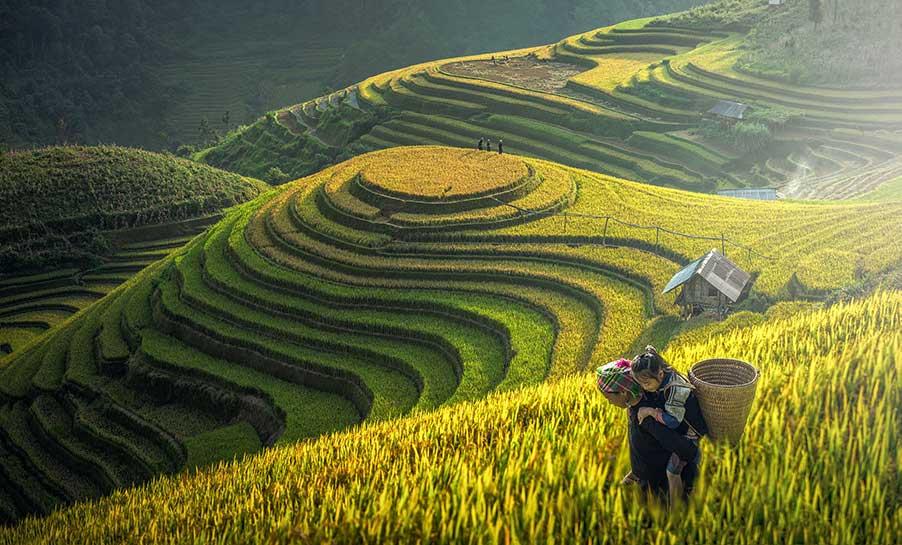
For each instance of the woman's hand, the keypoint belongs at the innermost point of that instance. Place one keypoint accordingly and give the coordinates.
(645, 412)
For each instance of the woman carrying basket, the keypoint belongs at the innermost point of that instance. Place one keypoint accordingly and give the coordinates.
(652, 444)
(673, 403)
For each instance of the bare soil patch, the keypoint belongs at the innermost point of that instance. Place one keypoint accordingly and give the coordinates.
(528, 72)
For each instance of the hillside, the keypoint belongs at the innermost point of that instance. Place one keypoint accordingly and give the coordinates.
(542, 462)
(159, 74)
(77, 222)
(631, 100)
(64, 197)
(853, 43)
(397, 282)
(31, 304)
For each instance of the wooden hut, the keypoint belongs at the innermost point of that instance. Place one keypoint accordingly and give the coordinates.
(711, 283)
(728, 112)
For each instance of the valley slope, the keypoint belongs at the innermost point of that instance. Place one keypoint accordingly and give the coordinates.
(395, 283)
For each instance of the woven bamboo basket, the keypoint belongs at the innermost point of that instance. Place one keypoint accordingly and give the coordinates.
(725, 390)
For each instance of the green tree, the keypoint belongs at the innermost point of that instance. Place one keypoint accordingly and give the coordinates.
(205, 133)
(751, 137)
(276, 176)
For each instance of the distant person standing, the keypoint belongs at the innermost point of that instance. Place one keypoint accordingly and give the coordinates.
(488, 145)
(500, 147)
(480, 144)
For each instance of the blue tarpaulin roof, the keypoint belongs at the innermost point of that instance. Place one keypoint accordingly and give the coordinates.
(684, 275)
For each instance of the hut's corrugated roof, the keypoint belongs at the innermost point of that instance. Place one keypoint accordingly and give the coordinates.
(726, 108)
(683, 276)
(718, 271)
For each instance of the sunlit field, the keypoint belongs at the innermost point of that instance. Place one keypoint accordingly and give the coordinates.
(385, 314)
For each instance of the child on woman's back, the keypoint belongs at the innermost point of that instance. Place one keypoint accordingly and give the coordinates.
(676, 406)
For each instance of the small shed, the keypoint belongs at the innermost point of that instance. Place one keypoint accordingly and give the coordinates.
(757, 193)
(729, 111)
(775, 3)
(710, 283)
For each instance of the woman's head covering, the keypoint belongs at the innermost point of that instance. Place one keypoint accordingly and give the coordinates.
(617, 377)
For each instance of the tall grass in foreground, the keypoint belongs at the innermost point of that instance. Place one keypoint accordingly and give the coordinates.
(819, 463)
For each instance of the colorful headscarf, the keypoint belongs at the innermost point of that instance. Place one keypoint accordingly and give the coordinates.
(616, 377)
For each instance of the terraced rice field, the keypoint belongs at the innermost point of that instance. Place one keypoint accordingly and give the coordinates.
(389, 285)
(630, 105)
(104, 213)
(544, 461)
(612, 71)
(33, 304)
(851, 149)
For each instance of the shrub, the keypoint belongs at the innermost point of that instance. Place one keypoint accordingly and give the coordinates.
(750, 136)
(186, 150)
(774, 118)
(745, 136)
(276, 176)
